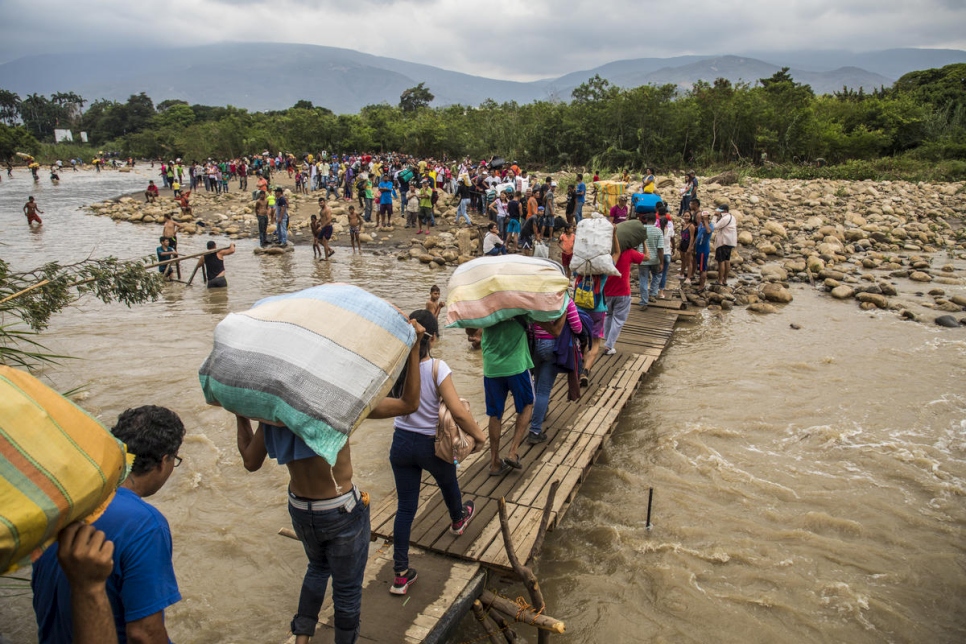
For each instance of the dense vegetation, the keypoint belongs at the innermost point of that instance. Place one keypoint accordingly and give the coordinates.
(917, 126)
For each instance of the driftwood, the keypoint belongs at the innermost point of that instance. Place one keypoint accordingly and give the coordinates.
(512, 610)
(489, 626)
(534, 616)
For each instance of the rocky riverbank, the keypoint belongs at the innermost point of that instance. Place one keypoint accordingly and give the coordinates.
(891, 246)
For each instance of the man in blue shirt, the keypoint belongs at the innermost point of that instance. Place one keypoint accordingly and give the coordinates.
(581, 197)
(142, 583)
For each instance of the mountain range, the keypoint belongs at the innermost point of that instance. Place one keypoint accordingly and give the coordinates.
(267, 76)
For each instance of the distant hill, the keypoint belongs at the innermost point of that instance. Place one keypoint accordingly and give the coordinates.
(265, 76)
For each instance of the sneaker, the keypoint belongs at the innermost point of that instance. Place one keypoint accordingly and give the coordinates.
(536, 437)
(402, 582)
(688, 281)
(459, 526)
(611, 351)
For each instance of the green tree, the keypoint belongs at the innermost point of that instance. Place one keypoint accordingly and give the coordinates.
(415, 98)
(16, 139)
(29, 299)
(9, 107)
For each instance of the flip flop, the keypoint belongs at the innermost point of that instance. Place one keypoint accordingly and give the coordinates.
(515, 464)
(504, 468)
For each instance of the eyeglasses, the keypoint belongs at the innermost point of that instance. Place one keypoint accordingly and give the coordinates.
(177, 461)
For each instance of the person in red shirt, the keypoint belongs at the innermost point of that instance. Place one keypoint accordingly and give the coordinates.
(151, 193)
(617, 295)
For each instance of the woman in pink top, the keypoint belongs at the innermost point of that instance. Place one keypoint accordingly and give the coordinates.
(618, 213)
(545, 372)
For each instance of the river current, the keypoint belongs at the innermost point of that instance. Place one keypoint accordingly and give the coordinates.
(808, 483)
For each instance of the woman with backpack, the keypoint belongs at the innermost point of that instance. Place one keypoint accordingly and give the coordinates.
(544, 356)
(413, 451)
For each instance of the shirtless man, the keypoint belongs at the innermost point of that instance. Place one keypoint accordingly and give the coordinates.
(171, 228)
(30, 209)
(325, 227)
(355, 227)
(330, 515)
(261, 213)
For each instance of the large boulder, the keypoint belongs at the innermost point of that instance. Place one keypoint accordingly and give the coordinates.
(880, 301)
(776, 228)
(776, 293)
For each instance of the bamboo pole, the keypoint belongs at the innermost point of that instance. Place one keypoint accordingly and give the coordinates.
(26, 290)
(88, 281)
(526, 615)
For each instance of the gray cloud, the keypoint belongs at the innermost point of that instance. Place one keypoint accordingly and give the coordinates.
(500, 38)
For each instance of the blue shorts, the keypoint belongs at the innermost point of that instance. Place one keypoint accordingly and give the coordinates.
(512, 226)
(701, 259)
(520, 385)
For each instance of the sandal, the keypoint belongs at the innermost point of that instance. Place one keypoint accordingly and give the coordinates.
(514, 463)
(504, 468)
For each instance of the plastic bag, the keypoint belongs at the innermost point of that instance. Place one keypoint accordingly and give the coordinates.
(592, 248)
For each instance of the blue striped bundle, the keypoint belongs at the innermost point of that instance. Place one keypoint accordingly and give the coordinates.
(315, 361)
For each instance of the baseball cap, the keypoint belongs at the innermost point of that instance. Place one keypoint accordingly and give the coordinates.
(540, 209)
(723, 208)
(553, 184)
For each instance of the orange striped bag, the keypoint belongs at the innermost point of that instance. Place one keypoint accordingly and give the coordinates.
(57, 465)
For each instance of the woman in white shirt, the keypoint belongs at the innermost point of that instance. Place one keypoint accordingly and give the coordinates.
(413, 451)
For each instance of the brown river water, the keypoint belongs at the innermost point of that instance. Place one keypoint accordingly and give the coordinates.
(809, 485)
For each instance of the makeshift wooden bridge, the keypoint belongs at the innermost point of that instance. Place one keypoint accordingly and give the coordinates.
(452, 569)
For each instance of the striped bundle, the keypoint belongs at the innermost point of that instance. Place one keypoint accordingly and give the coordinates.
(315, 361)
(489, 290)
(58, 465)
(608, 193)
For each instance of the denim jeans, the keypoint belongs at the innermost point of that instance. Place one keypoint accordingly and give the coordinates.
(579, 211)
(544, 375)
(618, 307)
(461, 211)
(410, 455)
(650, 278)
(283, 231)
(667, 265)
(262, 229)
(337, 545)
(367, 211)
(497, 250)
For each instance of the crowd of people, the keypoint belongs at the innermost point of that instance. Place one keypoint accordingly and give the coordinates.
(112, 581)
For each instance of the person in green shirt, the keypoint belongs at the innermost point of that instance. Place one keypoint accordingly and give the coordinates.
(425, 206)
(506, 369)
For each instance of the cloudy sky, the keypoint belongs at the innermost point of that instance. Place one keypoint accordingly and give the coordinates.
(510, 39)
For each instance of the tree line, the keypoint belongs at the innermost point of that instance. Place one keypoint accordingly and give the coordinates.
(922, 117)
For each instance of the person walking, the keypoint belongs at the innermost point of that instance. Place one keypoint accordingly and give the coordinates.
(545, 370)
(413, 452)
(649, 272)
(617, 296)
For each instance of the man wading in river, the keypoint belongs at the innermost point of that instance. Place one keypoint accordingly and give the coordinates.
(333, 525)
(215, 265)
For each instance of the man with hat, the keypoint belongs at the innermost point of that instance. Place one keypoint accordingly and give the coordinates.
(725, 241)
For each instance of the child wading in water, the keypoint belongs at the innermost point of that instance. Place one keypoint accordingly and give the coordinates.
(316, 228)
(355, 225)
(434, 305)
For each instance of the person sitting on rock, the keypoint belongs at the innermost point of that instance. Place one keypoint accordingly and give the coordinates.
(151, 193)
(183, 202)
